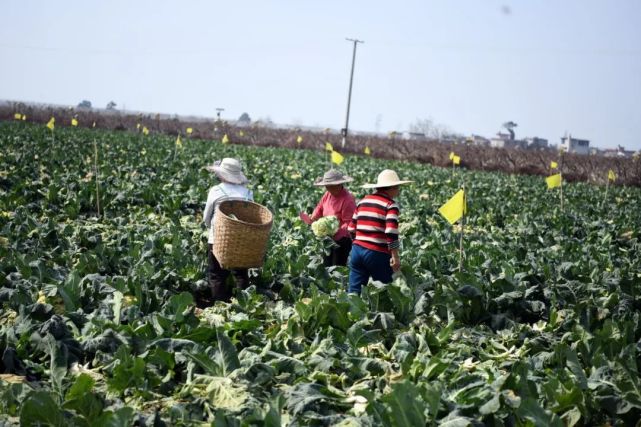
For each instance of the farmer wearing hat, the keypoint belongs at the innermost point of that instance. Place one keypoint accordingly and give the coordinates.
(374, 227)
(232, 186)
(339, 202)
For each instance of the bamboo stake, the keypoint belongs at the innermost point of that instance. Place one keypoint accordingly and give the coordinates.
(95, 171)
(176, 147)
(561, 192)
(607, 185)
(460, 260)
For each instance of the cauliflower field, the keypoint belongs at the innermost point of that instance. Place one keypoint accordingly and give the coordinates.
(98, 324)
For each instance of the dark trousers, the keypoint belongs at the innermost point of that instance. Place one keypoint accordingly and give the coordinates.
(217, 278)
(366, 263)
(338, 255)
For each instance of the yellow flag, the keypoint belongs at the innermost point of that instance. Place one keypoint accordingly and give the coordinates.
(337, 157)
(611, 175)
(328, 147)
(24, 117)
(367, 150)
(554, 165)
(241, 133)
(74, 122)
(94, 125)
(189, 131)
(225, 139)
(452, 155)
(179, 143)
(17, 116)
(455, 208)
(137, 125)
(553, 180)
(299, 139)
(145, 130)
(52, 123)
(456, 160)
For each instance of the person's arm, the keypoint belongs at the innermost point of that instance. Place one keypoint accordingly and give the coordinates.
(351, 228)
(395, 260)
(208, 214)
(347, 213)
(318, 211)
(391, 232)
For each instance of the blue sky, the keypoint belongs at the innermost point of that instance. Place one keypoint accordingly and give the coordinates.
(550, 66)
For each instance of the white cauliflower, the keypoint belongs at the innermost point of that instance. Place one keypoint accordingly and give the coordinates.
(326, 226)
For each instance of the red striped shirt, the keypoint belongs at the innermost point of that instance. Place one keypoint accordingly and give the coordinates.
(375, 223)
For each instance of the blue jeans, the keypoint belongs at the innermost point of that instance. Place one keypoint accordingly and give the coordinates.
(366, 263)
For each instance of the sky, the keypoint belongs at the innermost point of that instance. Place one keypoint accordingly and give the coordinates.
(553, 67)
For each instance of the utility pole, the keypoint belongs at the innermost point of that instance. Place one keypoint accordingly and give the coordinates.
(349, 94)
(218, 111)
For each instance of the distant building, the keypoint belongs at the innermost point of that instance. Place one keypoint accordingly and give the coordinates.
(504, 140)
(575, 145)
(620, 151)
(478, 140)
(536, 143)
(416, 136)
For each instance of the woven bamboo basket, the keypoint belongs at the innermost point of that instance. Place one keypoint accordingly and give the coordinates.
(241, 242)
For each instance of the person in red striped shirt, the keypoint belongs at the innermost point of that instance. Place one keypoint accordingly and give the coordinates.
(374, 229)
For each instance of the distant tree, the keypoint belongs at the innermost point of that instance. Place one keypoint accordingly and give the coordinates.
(431, 130)
(84, 104)
(111, 105)
(424, 126)
(377, 123)
(244, 118)
(510, 128)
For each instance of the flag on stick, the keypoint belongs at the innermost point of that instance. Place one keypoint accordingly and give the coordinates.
(455, 208)
(17, 116)
(138, 126)
(367, 151)
(74, 122)
(329, 147)
(145, 131)
(337, 157)
(452, 155)
(299, 139)
(179, 143)
(456, 160)
(189, 131)
(611, 175)
(51, 124)
(24, 117)
(554, 165)
(553, 181)
(225, 139)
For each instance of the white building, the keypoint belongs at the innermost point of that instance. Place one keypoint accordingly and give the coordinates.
(575, 145)
(536, 142)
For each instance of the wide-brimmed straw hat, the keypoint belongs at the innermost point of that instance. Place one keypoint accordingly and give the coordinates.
(333, 177)
(228, 170)
(387, 178)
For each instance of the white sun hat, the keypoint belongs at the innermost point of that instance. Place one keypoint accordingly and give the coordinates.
(228, 170)
(387, 178)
